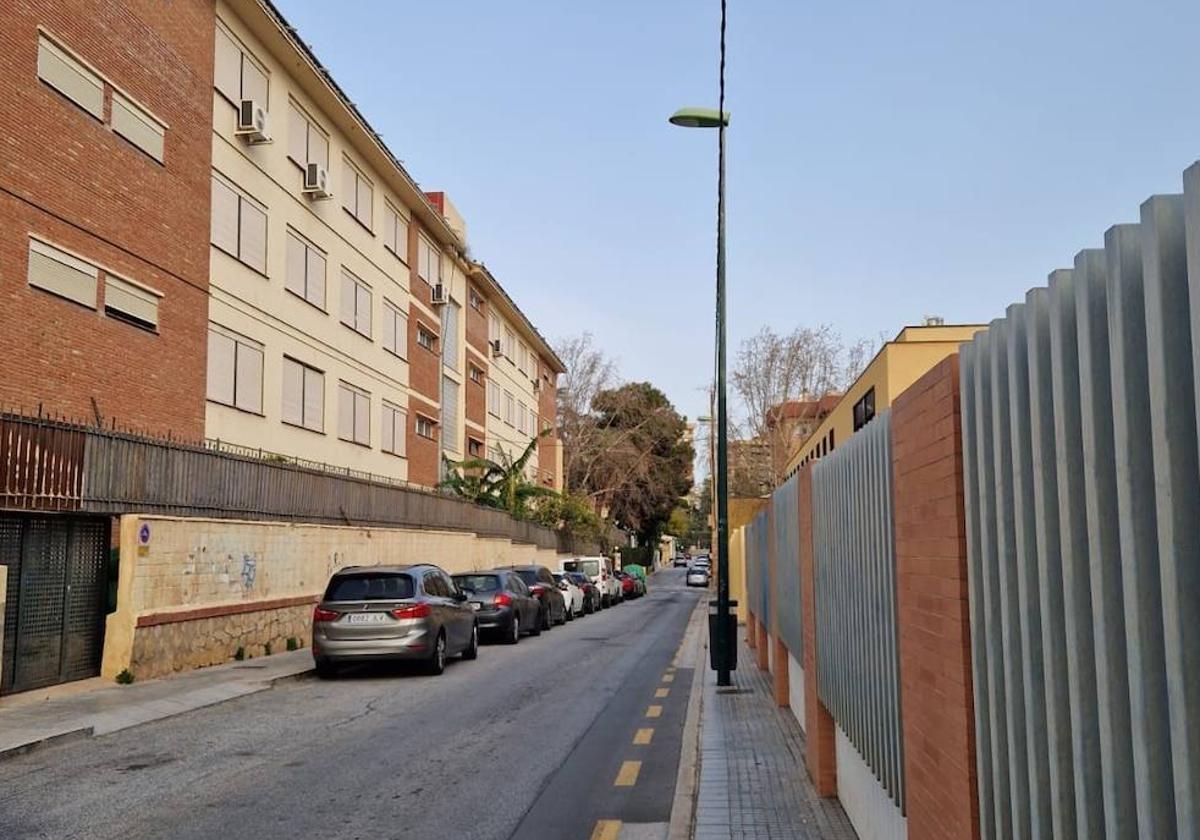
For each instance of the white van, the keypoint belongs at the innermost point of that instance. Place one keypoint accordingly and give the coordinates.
(600, 571)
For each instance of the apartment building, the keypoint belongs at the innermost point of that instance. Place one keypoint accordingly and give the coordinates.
(899, 363)
(104, 209)
(345, 318)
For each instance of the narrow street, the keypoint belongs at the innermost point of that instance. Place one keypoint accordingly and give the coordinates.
(526, 742)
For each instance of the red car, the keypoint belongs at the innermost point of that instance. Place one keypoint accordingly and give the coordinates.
(628, 585)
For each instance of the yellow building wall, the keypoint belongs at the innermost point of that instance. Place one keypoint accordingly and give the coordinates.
(198, 589)
(737, 571)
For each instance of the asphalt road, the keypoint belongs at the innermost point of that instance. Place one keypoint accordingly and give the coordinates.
(526, 742)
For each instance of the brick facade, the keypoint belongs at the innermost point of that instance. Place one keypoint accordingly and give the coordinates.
(68, 178)
(548, 445)
(819, 755)
(423, 452)
(476, 405)
(933, 614)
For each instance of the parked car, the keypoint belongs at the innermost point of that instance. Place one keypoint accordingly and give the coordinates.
(681, 561)
(542, 586)
(629, 588)
(697, 575)
(600, 571)
(572, 594)
(638, 572)
(504, 607)
(385, 613)
(591, 595)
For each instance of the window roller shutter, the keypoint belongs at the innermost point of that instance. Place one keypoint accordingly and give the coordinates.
(221, 350)
(345, 413)
(249, 378)
(224, 217)
(296, 265)
(362, 419)
(293, 392)
(347, 299)
(362, 321)
(314, 400)
(316, 277)
(254, 236)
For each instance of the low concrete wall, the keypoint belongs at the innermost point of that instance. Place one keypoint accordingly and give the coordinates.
(870, 808)
(796, 689)
(193, 591)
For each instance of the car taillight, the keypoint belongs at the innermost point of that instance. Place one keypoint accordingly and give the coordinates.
(502, 600)
(320, 614)
(413, 611)
(537, 589)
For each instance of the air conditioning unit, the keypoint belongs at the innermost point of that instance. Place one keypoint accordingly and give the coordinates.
(439, 294)
(252, 122)
(316, 181)
(496, 351)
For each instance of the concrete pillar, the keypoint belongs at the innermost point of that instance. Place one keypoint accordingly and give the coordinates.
(751, 625)
(762, 650)
(780, 682)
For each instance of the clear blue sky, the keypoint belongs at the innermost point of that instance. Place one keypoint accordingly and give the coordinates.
(888, 160)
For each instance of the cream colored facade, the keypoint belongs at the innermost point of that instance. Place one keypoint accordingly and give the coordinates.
(513, 416)
(313, 324)
(897, 365)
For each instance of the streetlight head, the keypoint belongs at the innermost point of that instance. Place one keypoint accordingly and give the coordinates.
(699, 118)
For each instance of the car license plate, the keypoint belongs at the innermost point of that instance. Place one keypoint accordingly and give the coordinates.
(366, 618)
(475, 605)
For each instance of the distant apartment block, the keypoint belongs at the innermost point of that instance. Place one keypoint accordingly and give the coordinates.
(346, 324)
(104, 211)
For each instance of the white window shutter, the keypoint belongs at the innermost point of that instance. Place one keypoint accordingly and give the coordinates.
(318, 147)
(74, 81)
(254, 83)
(362, 419)
(228, 71)
(249, 378)
(296, 265)
(347, 299)
(347, 187)
(389, 327)
(387, 428)
(402, 335)
(221, 360)
(345, 413)
(138, 127)
(366, 203)
(60, 273)
(314, 400)
(363, 310)
(224, 217)
(297, 135)
(316, 277)
(293, 392)
(253, 236)
(132, 300)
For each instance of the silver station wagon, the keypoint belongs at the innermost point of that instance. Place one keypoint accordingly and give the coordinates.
(386, 613)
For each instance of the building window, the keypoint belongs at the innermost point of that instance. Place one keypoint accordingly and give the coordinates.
(395, 232)
(474, 448)
(426, 339)
(235, 370)
(831, 430)
(62, 274)
(303, 395)
(510, 408)
(493, 398)
(523, 359)
(395, 330)
(307, 143)
(510, 341)
(354, 415)
(127, 301)
(358, 195)
(450, 315)
(476, 374)
(864, 409)
(450, 415)
(522, 418)
(429, 260)
(356, 304)
(474, 298)
(305, 270)
(394, 426)
(493, 329)
(236, 74)
(137, 125)
(239, 225)
(59, 69)
(426, 427)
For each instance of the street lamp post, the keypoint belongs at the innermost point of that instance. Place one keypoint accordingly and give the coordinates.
(722, 641)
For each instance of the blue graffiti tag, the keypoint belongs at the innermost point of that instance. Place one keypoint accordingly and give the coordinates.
(249, 571)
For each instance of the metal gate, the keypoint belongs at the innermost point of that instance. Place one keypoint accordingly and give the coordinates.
(54, 620)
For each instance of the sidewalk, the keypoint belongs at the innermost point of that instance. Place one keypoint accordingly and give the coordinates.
(97, 707)
(753, 783)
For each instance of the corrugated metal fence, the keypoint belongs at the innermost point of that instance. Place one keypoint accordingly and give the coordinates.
(46, 464)
(785, 505)
(1082, 482)
(854, 545)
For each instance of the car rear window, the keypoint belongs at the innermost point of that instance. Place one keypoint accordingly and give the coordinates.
(530, 576)
(590, 568)
(369, 587)
(478, 583)
(578, 577)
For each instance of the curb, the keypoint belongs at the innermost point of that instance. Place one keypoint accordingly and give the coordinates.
(688, 778)
(80, 734)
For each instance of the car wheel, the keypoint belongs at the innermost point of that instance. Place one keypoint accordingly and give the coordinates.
(562, 619)
(539, 624)
(514, 633)
(472, 651)
(547, 619)
(326, 670)
(437, 662)
(571, 612)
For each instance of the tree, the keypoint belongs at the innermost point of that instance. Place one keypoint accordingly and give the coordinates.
(499, 484)
(644, 465)
(588, 373)
(772, 369)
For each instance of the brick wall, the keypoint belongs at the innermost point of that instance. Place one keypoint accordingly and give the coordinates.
(424, 365)
(477, 323)
(819, 747)
(933, 617)
(69, 178)
(547, 407)
(423, 452)
(476, 406)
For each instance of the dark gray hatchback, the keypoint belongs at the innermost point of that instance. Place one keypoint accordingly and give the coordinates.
(385, 613)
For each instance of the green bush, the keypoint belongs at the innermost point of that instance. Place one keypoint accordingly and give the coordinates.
(240, 653)
(293, 643)
(125, 677)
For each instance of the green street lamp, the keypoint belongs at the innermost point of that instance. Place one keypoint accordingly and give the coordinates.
(723, 635)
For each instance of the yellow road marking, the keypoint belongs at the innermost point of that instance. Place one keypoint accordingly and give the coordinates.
(654, 711)
(627, 775)
(668, 678)
(643, 736)
(662, 692)
(607, 830)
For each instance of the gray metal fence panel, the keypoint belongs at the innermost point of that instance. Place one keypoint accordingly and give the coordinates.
(785, 502)
(1081, 449)
(753, 603)
(762, 547)
(855, 569)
